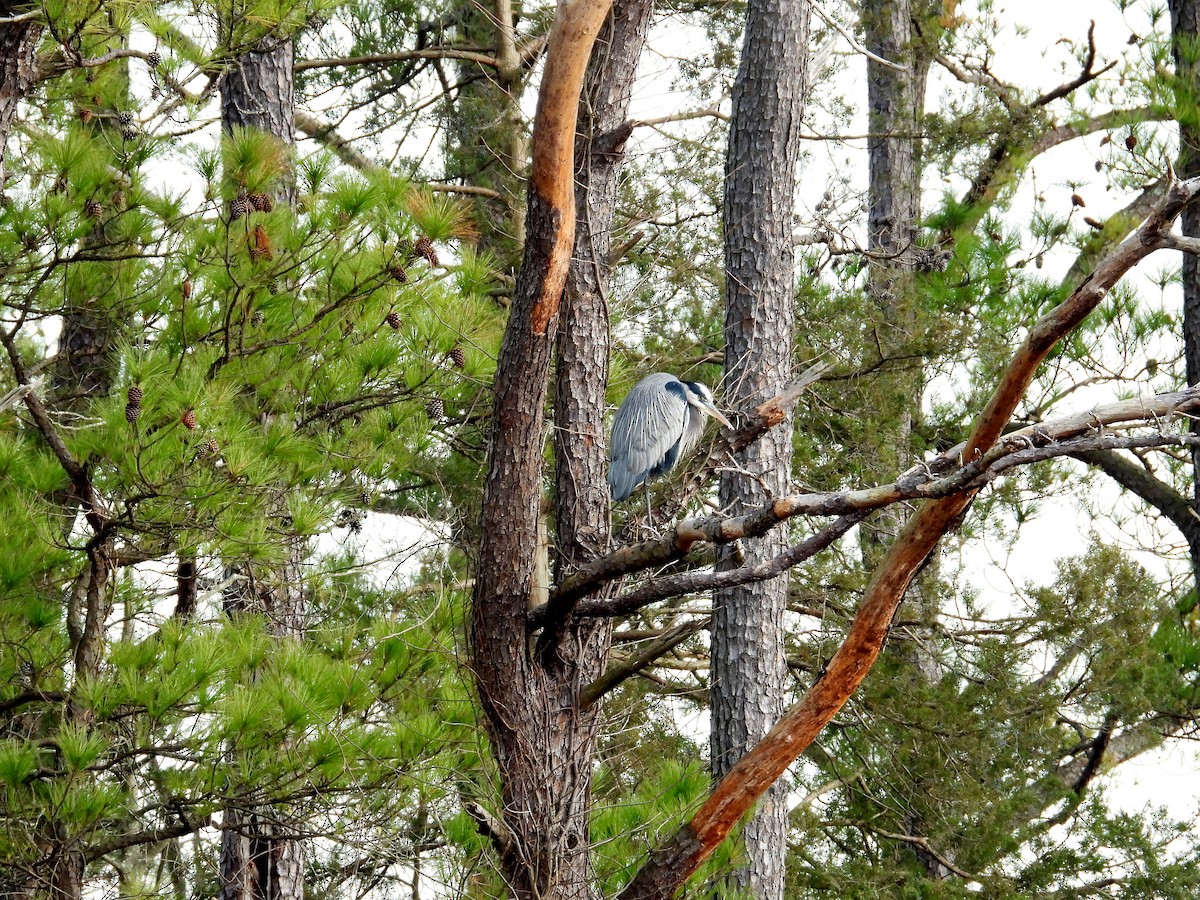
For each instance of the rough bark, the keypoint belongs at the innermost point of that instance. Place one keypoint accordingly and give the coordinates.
(1185, 31)
(258, 91)
(749, 668)
(542, 741)
(671, 864)
(18, 70)
(259, 862)
(581, 375)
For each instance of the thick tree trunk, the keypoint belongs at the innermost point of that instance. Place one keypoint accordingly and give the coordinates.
(749, 669)
(581, 488)
(257, 862)
(542, 740)
(1185, 30)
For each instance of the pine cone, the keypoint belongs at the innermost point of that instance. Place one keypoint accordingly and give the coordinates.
(364, 497)
(435, 409)
(129, 134)
(273, 287)
(5, 200)
(399, 273)
(93, 210)
(86, 115)
(258, 318)
(1130, 141)
(458, 356)
(393, 319)
(125, 118)
(238, 207)
(209, 448)
(189, 420)
(132, 411)
(424, 248)
(186, 287)
(261, 202)
(153, 59)
(135, 395)
(118, 199)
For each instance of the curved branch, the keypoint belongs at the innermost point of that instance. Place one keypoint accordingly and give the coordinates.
(671, 864)
(1135, 479)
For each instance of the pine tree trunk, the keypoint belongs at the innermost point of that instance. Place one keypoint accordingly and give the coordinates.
(895, 108)
(581, 488)
(749, 669)
(256, 862)
(542, 740)
(1185, 30)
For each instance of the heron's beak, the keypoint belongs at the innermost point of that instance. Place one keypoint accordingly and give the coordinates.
(717, 414)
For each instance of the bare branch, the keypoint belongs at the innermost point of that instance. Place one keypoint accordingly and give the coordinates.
(853, 41)
(469, 189)
(398, 56)
(695, 582)
(631, 666)
(679, 857)
(1087, 74)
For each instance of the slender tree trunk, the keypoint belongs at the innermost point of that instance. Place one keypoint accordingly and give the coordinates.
(1185, 30)
(256, 862)
(749, 669)
(895, 108)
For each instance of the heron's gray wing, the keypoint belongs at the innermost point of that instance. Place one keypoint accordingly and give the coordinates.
(648, 425)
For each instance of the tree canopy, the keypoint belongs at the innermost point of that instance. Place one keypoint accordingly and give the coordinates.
(304, 530)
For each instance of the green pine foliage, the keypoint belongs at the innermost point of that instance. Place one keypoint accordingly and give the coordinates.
(270, 393)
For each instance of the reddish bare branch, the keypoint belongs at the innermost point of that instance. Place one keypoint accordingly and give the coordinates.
(670, 865)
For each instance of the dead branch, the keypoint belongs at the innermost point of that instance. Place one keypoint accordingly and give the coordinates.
(941, 477)
(671, 864)
(634, 664)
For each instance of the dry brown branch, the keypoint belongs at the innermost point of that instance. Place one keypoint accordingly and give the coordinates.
(671, 864)
(949, 474)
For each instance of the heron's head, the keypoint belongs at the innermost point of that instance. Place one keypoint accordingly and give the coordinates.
(700, 397)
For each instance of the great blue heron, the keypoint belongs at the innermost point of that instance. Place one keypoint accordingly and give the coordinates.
(658, 423)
